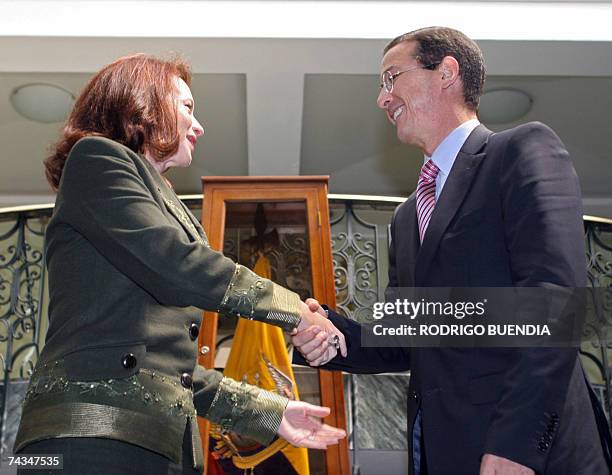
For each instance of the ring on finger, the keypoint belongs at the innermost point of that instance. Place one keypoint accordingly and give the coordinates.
(334, 341)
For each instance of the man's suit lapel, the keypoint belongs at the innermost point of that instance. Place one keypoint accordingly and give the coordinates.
(413, 242)
(455, 190)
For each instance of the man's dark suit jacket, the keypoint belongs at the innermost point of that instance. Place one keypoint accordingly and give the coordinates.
(509, 215)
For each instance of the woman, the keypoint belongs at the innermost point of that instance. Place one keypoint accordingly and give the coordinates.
(117, 385)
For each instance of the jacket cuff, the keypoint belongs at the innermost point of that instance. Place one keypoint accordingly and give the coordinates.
(251, 296)
(247, 410)
(284, 308)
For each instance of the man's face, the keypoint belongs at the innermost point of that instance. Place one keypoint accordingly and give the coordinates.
(412, 105)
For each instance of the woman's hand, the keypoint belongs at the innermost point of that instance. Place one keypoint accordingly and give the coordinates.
(302, 427)
(314, 337)
(323, 338)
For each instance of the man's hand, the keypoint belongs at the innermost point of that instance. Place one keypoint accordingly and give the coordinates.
(494, 465)
(301, 427)
(313, 337)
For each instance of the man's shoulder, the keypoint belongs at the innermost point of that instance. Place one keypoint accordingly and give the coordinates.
(528, 129)
(404, 207)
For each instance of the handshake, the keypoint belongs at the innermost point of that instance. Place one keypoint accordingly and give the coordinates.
(316, 338)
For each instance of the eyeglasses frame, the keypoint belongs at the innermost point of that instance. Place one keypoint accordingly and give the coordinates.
(392, 76)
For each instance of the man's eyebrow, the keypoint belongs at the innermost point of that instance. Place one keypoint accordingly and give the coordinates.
(389, 68)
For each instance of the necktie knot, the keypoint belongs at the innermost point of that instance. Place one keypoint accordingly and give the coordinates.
(429, 171)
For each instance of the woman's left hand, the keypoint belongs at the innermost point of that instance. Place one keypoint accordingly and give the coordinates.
(301, 426)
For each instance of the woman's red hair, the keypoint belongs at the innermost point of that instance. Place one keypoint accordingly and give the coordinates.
(129, 101)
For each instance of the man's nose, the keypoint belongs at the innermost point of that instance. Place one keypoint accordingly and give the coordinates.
(383, 98)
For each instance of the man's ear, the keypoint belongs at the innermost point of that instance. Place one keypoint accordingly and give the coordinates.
(449, 69)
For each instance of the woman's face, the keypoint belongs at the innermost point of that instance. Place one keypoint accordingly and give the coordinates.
(188, 128)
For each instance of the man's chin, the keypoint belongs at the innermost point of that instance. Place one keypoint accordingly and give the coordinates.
(403, 136)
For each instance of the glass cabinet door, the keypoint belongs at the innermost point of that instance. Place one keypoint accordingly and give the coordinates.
(279, 228)
(275, 233)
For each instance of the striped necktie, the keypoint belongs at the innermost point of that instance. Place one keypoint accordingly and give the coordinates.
(426, 195)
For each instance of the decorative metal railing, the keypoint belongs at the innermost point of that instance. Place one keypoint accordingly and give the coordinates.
(22, 308)
(597, 341)
(360, 235)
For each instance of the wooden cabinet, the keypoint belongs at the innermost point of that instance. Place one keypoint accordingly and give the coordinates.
(296, 231)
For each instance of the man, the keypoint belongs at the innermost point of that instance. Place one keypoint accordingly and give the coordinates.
(490, 210)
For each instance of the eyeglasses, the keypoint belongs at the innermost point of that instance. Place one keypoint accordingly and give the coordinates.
(387, 78)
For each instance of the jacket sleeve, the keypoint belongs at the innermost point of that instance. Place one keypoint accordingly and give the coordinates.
(104, 196)
(238, 407)
(365, 359)
(361, 359)
(544, 234)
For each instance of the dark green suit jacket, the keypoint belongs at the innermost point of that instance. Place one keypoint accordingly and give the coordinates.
(129, 271)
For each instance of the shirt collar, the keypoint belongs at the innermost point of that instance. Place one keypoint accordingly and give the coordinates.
(444, 155)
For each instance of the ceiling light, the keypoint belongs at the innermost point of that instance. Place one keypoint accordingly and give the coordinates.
(41, 102)
(502, 106)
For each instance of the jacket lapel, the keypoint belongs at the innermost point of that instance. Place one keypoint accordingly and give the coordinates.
(177, 210)
(413, 243)
(174, 205)
(196, 224)
(455, 190)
